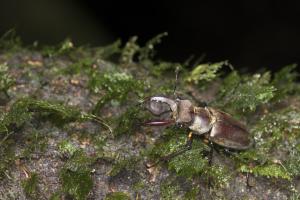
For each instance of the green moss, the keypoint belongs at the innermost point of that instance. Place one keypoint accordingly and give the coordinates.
(3, 128)
(117, 196)
(285, 81)
(192, 194)
(10, 41)
(293, 162)
(7, 156)
(145, 53)
(270, 170)
(162, 68)
(76, 176)
(59, 113)
(35, 143)
(66, 147)
(169, 191)
(56, 196)
(22, 111)
(117, 86)
(17, 116)
(122, 164)
(5, 79)
(139, 185)
(129, 50)
(219, 176)
(81, 66)
(205, 72)
(64, 47)
(245, 93)
(148, 51)
(275, 132)
(109, 50)
(130, 121)
(30, 186)
(99, 142)
(191, 163)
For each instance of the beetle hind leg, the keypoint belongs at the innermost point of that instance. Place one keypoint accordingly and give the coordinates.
(166, 158)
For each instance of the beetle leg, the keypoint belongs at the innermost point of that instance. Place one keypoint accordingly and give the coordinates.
(159, 122)
(186, 147)
(211, 153)
(210, 162)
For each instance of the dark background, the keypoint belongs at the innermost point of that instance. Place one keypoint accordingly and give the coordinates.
(253, 34)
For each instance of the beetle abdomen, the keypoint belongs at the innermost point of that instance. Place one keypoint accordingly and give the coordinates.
(228, 132)
(230, 136)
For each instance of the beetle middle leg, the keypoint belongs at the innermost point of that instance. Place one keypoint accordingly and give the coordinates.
(186, 147)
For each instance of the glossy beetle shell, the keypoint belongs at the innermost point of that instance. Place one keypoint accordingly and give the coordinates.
(221, 128)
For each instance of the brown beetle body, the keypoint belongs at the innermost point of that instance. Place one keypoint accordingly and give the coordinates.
(217, 126)
(220, 128)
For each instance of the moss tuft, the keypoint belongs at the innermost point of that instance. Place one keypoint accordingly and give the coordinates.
(192, 194)
(122, 164)
(64, 47)
(148, 51)
(7, 156)
(108, 51)
(169, 191)
(144, 54)
(245, 93)
(191, 163)
(117, 196)
(205, 72)
(22, 111)
(275, 132)
(76, 176)
(271, 170)
(130, 121)
(6, 80)
(35, 143)
(65, 147)
(117, 86)
(10, 41)
(30, 186)
(285, 81)
(129, 50)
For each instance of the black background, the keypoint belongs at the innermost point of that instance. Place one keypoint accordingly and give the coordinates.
(253, 34)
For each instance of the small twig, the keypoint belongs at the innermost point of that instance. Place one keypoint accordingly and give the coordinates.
(99, 120)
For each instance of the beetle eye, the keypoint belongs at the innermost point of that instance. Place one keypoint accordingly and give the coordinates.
(158, 108)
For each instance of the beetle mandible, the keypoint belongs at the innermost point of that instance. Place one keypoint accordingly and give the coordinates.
(216, 126)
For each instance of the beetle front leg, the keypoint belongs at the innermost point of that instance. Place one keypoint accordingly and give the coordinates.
(166, 158)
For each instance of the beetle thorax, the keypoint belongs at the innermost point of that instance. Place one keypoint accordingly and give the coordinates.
(202, 121)
(184, 111)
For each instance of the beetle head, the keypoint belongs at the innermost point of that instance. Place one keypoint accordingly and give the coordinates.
(160, 105)
(178, 109)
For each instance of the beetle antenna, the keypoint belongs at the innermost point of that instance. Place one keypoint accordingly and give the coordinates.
(176, 81)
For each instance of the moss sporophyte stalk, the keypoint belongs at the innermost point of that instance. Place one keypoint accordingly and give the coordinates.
(75, 123)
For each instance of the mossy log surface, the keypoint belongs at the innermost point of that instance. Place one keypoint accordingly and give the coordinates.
(71, 126)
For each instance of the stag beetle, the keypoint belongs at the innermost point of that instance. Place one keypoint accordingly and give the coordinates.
(216, 126)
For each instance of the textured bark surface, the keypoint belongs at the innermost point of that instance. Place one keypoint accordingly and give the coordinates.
(40, 77)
